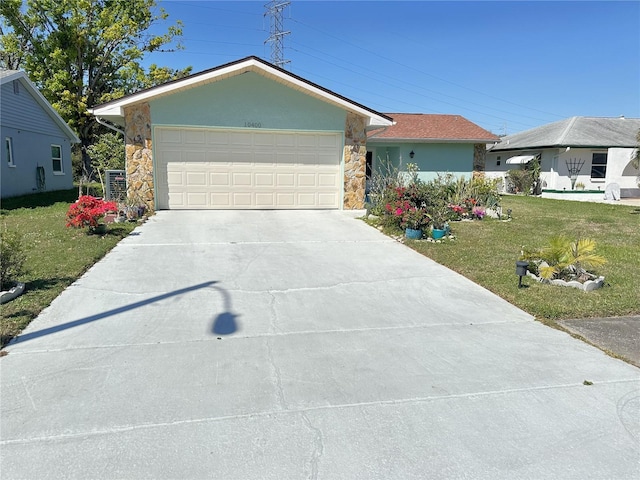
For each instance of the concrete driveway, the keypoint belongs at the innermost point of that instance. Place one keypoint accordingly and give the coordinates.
(294, 345)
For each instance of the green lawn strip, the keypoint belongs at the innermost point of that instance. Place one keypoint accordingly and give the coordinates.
(56, 255)
(486, 252)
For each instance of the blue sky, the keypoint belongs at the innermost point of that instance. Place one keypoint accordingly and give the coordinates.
(507, 66)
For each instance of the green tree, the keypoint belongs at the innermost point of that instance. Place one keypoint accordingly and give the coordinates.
(82, 53)
(107, 153)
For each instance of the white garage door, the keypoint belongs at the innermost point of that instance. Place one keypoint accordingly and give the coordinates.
(198, 168)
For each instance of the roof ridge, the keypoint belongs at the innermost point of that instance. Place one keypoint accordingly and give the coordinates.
(565, 133)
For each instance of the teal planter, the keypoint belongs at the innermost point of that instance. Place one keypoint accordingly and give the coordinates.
(437, 233)
(412, 234)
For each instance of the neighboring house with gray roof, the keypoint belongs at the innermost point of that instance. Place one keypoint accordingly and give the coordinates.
(597, 151)
(36, 141)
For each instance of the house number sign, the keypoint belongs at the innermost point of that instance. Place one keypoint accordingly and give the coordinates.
(253, 124)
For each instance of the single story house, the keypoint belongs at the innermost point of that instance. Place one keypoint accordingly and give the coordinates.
(244, 135)
(591, 151)
(435, 143)
(36, 148)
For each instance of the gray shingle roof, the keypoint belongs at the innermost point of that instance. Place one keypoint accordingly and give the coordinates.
(575, 132)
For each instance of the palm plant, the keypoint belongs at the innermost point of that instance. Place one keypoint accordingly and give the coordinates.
(564, 258)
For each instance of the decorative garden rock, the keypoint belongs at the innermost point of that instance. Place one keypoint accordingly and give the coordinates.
(586, 286)
(12, 293)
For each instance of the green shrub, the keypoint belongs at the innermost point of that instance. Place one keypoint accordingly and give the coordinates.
(12, 257)
(520, 181)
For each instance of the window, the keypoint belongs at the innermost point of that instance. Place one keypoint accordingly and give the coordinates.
(56, 158)
(16, 87)
(599, 165)
(8, 148)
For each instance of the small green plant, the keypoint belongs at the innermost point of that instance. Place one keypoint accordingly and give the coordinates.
(579, 186)
(107, 153)
(12, 257)
(564, 258)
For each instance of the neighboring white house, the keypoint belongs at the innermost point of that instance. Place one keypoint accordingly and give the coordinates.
(592, 151)
(36, 141)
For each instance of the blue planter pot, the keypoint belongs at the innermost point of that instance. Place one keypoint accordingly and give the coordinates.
(413, 234)
(437, 233)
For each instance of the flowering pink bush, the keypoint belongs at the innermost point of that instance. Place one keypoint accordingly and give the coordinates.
(88, 211)
(415, 218)
(479, 212)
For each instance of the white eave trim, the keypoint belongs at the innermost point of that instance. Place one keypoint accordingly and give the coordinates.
(116, 108)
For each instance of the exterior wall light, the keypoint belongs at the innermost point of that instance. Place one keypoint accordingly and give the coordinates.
(412, 154)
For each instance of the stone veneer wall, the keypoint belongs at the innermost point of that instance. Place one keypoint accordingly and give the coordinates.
(355, 160)
(479, 159)
(139, 156)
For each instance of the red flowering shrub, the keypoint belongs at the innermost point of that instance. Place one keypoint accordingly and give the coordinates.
(88, 211)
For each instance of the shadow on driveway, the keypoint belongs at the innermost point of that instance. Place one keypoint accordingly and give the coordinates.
(224, 324)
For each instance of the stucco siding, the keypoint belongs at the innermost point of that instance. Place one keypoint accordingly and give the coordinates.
(555, 172)
(23, 112)
(31, 150)
(247, 101)
(432, 158)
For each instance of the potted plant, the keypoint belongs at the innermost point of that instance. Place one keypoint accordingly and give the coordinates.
(440, 214)
(89, 211)
(414, 221)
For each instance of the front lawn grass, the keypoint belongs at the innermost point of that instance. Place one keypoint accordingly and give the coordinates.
(56, 255)
(486, 251)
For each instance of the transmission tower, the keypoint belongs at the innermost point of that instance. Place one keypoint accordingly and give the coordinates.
(276, 34)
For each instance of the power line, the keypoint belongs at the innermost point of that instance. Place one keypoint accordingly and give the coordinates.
(274, 10)
(342, 40)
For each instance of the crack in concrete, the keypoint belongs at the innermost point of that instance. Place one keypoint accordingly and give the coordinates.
(271, 413)
(272, 314)
(276, 377)
(318, 447)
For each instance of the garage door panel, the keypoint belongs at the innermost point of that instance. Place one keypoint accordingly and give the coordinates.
(191, 156)
(194, 137)
(307, 200)
(286, 199)
(219, 179)
(328, 180)
(241, 179)
(285, 179)
(264, 179)
(242, 169)
(196, 178)
(307, 180)
(327, 200)
(242, 199)
(196, 199)
(220, 199)
(265, 159)
(175, 179)
(265, 200)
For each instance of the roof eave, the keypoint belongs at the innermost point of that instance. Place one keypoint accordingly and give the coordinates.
(116, 107)
(46, 106)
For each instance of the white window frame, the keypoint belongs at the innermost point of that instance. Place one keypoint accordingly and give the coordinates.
(8, 146)
(53, 159)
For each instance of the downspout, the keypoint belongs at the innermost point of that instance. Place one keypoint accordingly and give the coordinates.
(108, 125)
